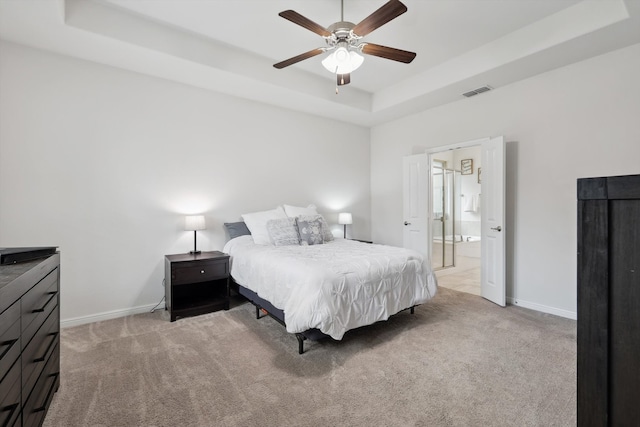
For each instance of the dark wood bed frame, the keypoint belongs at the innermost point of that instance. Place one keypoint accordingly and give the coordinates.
(269, 309)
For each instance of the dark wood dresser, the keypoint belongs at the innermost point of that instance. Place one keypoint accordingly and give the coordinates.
(29, 340)
(609, 301)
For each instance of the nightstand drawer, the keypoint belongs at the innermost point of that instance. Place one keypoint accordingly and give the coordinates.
(199, 272)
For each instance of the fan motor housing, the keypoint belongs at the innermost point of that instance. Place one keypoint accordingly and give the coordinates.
(341, 35)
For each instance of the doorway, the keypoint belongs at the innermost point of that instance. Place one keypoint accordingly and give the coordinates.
(488, 171)
(456, 176)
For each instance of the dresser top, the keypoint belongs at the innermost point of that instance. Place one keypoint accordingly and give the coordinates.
(16, 279)
(9, 273)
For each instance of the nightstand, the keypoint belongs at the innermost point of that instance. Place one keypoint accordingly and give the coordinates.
(196, 284)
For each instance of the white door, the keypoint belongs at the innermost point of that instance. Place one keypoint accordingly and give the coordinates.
(415, 203)
(492, 202)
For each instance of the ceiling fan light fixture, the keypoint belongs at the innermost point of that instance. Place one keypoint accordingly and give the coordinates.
(342, 61)
(343, 41)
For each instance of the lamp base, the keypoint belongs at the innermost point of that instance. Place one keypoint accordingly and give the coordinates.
(195, 246)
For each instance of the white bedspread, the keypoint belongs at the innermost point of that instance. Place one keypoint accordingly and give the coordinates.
(334, 287)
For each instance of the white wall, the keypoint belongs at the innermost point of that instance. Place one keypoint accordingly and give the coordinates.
(573, 122)
(104, 163)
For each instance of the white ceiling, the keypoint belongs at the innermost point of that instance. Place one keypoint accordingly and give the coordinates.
(230, 45)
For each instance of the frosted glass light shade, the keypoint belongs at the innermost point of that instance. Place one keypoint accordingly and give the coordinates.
(345, 218)
(342, 61)
(194, 222)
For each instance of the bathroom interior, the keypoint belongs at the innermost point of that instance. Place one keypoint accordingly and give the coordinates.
(456, 191)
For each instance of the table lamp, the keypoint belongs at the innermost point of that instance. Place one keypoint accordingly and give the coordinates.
(194, 222)
(345, 218)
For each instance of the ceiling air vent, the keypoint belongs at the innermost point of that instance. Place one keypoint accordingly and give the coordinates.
(477, 91)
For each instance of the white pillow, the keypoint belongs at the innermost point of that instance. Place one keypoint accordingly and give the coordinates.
(257, 224)
(294, 211)
(283, 231)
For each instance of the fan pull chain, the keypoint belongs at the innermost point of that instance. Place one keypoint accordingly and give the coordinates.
(337, 91)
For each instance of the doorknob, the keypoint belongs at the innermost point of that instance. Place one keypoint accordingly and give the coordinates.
(407, 223)
(498, 228)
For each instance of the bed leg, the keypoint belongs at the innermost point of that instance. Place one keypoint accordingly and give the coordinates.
(301, 339)
(413, 309)
(257, 312)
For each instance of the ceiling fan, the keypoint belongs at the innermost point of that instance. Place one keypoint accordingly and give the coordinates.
(344, 41)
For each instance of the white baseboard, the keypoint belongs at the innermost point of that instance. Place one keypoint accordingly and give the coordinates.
(543, 308)
(76, 321)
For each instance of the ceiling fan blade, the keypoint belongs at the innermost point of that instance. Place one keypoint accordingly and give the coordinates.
(298, 58)
(388, 53)
(343, 79)
(390, 10)
(296, 18)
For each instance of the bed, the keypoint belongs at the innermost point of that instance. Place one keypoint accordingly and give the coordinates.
(327, 289)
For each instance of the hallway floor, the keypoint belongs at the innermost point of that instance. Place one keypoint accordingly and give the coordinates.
(465, 276)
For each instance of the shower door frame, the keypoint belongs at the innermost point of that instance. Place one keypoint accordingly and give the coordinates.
(442, 166)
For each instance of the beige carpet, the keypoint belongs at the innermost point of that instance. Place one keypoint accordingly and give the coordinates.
(458, 361)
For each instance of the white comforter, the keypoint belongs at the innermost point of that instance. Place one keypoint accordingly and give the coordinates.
(334, 287)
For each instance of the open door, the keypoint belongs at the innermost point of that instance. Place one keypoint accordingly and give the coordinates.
(415, 203)
(492, 207)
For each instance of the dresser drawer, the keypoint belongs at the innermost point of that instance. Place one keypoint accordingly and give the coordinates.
(39, 350)
(196, 272)
(37, 304)
(9, 348)
(10, 396)
(9, 338)
(8, 317)
(38, 402)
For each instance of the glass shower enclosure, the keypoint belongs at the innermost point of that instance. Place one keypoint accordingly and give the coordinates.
(447, 212)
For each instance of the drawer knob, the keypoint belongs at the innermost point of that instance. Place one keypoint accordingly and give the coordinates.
(201, 271)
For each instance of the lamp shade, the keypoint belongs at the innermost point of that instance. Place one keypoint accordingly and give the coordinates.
(194, 222)
(345, 218)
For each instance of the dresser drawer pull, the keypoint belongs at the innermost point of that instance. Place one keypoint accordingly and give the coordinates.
(53, 341)
(41, 309)
(11, 409)
(49, 394)
(9, 344)
(201, 271)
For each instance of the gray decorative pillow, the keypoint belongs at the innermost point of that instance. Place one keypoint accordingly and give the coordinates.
(326, 231)
(283, 231)
(236, 229)
(310, 231)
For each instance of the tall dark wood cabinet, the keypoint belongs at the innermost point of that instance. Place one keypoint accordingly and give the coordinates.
(609, 301)
(29, 340)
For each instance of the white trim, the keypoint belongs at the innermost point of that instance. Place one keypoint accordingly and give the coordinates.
(543, 308)
(457, 146)
(76, 321)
